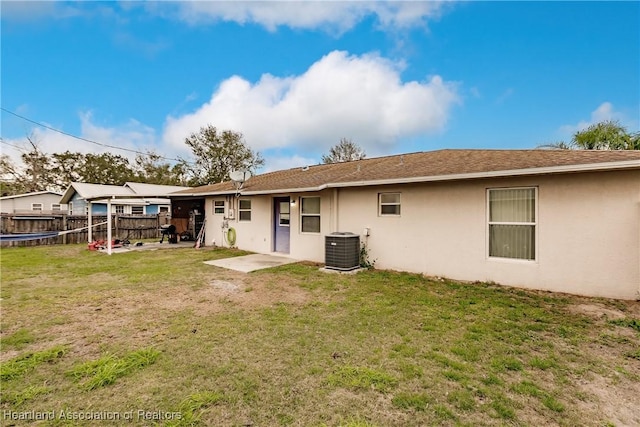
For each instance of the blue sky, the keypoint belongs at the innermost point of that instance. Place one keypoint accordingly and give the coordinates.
(295, 77)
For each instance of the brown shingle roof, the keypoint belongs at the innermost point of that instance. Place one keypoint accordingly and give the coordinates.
(428, 166)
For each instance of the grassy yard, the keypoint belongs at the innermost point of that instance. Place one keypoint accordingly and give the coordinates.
(159, 338)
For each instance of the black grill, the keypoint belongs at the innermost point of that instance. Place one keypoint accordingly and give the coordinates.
(342, 251)
(169, 230)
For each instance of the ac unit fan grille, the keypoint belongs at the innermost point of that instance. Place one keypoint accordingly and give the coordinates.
(342, 251)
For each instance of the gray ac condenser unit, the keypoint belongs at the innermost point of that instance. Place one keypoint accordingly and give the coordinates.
(342, 251)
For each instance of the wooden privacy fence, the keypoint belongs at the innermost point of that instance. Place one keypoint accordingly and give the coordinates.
(132, 227)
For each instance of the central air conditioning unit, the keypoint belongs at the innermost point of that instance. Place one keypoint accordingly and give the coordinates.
(342, 251)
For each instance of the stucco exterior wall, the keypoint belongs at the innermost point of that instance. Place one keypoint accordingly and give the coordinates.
(257, 235)
(588, 232)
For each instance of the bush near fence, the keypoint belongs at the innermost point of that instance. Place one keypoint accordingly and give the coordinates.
(132, 227)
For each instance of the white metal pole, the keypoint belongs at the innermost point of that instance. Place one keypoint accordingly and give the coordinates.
(109, 226)
(89, 222)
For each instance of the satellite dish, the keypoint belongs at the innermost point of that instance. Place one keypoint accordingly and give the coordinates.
(239, 177)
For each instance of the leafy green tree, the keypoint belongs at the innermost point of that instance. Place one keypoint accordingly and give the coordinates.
(149, 168)
(216, 153)
(67, 168)
(106, 168)
(9, 177)
(345, 151)
(35, 173)
(606, 135)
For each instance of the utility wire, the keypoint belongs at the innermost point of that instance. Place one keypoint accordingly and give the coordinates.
(10, 145)
(80, 138)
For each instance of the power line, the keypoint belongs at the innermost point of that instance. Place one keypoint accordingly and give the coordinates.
(10, 145)
(80, 138)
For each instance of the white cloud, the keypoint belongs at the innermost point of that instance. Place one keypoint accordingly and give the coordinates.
(337, 16)
(131, 135)
(604, 112)
(341, 95)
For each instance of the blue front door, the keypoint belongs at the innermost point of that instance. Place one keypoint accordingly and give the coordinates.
(282, 220)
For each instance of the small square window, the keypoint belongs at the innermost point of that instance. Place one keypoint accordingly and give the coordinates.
(218, 207)
(36, 206)
(55, 207)
(244, 210)
(389, 204)
(137, 210)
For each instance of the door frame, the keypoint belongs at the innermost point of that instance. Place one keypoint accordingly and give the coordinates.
(276, 223)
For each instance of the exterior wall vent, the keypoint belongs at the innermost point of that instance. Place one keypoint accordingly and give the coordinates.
(342, 251)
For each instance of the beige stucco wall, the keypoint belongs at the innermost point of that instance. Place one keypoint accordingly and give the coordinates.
(588, 231)
(257, 235)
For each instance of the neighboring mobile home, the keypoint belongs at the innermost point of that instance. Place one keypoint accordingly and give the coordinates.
(40, 202)
(557, 220)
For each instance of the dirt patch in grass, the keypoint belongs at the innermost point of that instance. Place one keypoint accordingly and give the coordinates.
(126, 314)
(619, 405)
(597, 311)
(613, 385)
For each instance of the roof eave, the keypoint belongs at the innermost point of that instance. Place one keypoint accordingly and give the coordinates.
(68, 194)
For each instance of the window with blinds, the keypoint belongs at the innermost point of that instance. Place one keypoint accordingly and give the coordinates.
(512, 223)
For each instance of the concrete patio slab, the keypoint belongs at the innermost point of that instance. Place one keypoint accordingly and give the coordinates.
(248, 263)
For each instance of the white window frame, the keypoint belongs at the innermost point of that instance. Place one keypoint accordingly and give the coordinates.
(137, 206)
(245, 210)
(319, 215)
(70, 205)
(399, 204)
(56, 207)
(534, 224)
(36, 207)
(117, 208)
(217, 207)
(163, 209)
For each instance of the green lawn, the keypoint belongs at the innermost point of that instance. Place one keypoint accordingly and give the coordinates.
(159, 338)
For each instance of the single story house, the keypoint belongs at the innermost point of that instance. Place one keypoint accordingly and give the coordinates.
(556, 220)
(40, 202)
(133, 198)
